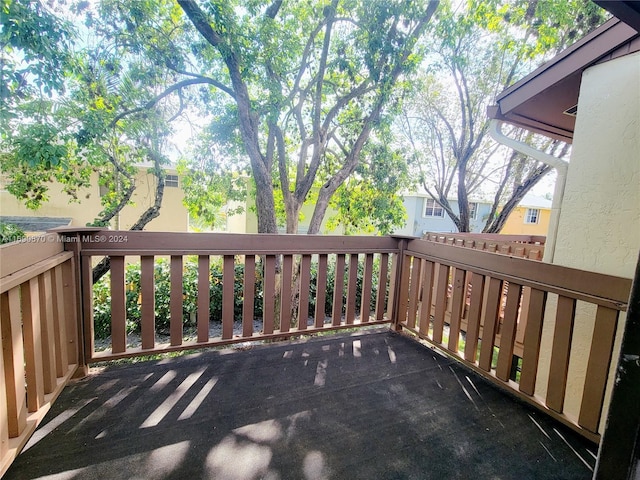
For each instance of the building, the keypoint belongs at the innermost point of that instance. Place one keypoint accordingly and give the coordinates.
(424, 214)
(530, 217)
(589, 95)
(174, 216)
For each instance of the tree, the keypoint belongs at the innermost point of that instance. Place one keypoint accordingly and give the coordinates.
(305, 84)
(480, 48)
(308, 82)
(32, 65)
(108, 111)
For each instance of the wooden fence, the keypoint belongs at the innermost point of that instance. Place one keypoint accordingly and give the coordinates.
(525, 246)
(38, 305)
(294, 271)
(494, 315)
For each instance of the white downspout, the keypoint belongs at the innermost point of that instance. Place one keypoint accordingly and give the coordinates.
(561, 167)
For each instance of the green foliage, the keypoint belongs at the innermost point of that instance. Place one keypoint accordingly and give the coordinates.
(162, 275)
(207, 191)
(10, 233)
(477, 49)
(162, 285)
(35, 46)
(330, 287)
(370, 201)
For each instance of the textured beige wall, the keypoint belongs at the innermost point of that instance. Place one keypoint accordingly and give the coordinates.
(173, 215)
(599, 226)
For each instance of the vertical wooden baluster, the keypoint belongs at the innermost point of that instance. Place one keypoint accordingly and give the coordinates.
(59, 323)
(204, 292)
(32, 344)
(118, 306)
(367, 281)
(73, 344)
(46, 330)
(269, 293)
(285, 293)
(4, 408)
(395, 258)
(321, 291)
(305, 281)
(13, 356)
(490, 322)
(427, 295)
(531, 341)
(249, 291)
(338, 290)
(508, 333)
(473, 318)
(87, 306)
(414, 289)
(522, 319)
(148, 310)
(442, 283)
(604, 333)
(352, 287)
(403, 293)
(457, 304)
(560, 352)
(228, 280)
(175, 301)
(382, 286)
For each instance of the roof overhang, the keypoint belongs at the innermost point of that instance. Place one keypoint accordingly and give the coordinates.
(626, 10)
(542, 101)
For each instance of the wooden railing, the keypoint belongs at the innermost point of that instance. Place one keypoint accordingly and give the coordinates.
(513, 321)
(526, 246)
(39, 335)
(294, 271)
(510, 319)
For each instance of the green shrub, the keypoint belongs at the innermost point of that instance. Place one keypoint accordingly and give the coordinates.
(10, 233)
(331, 275)
(162, 297)
(162, 279)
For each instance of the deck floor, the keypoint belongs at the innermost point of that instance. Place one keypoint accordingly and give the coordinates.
(375, 405)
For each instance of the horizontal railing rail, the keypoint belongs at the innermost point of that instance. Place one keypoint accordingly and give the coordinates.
(544, 332)
(38, 306)
(515, 322)
(285, 285)
(526, 246)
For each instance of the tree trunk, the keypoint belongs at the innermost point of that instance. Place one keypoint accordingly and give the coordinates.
(520, 191)
(149, 214)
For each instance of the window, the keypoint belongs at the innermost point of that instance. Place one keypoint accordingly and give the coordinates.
(432, 208)
(171, 181)
(473, 210)
(533, 215)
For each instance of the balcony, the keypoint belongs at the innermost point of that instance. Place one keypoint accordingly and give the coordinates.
(453, 363)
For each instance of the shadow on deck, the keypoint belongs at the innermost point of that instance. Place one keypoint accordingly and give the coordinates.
(374, 405)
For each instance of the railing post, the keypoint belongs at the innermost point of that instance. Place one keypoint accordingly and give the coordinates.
(72, 239)
(396, 280)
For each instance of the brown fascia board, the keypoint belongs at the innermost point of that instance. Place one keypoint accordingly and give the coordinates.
(532, 124)
(582, 54)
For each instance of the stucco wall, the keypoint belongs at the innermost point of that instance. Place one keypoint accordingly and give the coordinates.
(599, 227)
(173, 215)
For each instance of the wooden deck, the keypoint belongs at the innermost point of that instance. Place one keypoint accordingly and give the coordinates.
(510, 320)
(375, 405)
